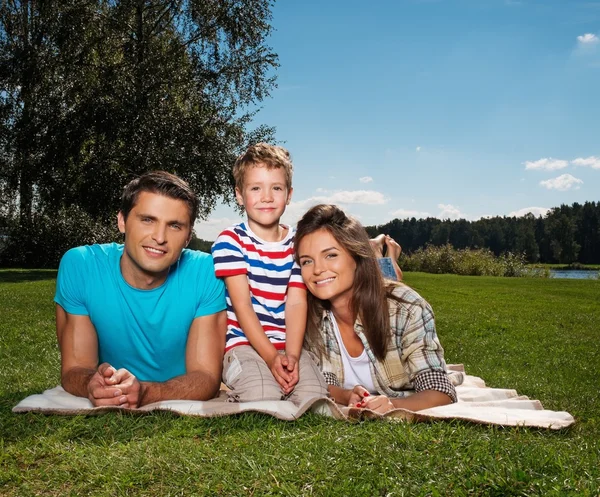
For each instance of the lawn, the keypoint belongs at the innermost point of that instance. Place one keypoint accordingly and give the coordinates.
(539, 336)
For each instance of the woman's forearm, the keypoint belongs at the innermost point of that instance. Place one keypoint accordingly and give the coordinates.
(422, 400)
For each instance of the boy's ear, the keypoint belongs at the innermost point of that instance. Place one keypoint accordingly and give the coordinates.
(121, 222)
(238, 196)
(289, 195)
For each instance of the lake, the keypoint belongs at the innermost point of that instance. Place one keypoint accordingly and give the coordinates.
(576, 274)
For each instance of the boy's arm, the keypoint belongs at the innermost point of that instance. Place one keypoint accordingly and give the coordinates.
(295, 325)
(295, 321)
(239, 293)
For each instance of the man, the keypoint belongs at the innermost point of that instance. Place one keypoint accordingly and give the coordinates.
(143, 321)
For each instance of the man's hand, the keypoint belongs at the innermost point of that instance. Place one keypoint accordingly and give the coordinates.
(102, 390)
(130, 387)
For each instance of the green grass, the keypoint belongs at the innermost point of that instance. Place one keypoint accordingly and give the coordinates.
(539, 336)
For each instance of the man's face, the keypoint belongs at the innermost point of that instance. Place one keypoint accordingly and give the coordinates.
(156, 231)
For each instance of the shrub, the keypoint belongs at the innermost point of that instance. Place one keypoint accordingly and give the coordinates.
(41, 242)
(470, 262)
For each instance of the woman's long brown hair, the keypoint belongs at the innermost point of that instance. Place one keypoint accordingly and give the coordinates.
(369, 292)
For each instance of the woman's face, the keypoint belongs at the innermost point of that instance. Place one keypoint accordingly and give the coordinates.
(327, 267)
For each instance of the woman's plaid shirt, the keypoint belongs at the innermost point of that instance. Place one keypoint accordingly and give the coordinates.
(414, 361)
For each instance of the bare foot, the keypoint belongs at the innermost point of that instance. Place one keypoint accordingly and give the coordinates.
(378, 243)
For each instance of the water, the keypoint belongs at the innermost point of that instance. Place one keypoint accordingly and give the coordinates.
(576, 274)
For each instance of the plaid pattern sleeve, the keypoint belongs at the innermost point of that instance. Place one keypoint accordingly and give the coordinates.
(434, 380)
(331, 379)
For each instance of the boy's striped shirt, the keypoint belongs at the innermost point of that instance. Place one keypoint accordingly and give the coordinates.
(270, 268)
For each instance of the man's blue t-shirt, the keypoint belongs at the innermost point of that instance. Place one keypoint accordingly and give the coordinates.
(143, 331)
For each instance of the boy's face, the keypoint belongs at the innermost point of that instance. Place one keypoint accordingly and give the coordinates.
(264, 196)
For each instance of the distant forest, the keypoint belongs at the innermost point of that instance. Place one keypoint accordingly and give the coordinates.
(567, 234)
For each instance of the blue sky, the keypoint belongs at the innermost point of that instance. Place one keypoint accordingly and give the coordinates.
(444, 108)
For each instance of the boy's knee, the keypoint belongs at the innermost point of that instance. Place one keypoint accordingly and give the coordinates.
(248, 377)
(311, 382)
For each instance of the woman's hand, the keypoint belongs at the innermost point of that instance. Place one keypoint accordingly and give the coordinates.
(377, 403)
(357, 395)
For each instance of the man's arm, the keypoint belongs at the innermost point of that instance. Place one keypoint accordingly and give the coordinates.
(203, 363)
(80, 375)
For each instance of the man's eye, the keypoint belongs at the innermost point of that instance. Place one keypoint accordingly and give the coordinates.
(146, 220)
(176, 226)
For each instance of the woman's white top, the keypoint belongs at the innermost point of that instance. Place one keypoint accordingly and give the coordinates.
(356, 369)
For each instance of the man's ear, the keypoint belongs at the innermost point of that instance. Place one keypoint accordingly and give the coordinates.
(289, 196)
(239, 197)
(121, 222)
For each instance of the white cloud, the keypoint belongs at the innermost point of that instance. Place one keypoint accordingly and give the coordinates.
(536, 211)
(211, 228)
(546, 164)
(365, 179)
(321, 190)
(407, 214)
(593, 162)
(296, 210)
(562, 183)
(448, 211)
(418, 149)
(588, 39)
(368, 197)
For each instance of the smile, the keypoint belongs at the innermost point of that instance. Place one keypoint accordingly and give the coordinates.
(153, 250)
(324, 282)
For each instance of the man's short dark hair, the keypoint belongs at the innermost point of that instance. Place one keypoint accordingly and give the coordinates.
(162, 183)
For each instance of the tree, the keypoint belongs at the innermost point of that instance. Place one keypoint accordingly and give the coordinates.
(560, 229)
(97, 92)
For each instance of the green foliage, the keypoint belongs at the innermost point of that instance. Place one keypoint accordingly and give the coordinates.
(538, 336)
(199, 244)
(95, 93)
(42, 241)
(480, 262)
(566, 234)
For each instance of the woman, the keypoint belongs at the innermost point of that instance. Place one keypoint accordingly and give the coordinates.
(375, 339)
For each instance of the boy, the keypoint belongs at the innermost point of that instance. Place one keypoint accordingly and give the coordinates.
(266, 297)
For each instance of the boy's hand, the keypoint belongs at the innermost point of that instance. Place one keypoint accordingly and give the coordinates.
(280, 372)
(290, 362)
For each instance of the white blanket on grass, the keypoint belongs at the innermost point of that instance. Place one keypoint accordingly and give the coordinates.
(476, 403)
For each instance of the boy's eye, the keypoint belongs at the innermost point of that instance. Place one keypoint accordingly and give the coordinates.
(278, 188)
(254, 188)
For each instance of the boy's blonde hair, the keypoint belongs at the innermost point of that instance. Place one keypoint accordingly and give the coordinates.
(271, 156)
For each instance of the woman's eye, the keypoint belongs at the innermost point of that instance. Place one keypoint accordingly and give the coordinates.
(305, 262)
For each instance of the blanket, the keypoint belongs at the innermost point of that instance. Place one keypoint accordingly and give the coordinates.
(476, 403)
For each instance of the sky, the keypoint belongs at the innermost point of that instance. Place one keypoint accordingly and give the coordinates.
(435, 108)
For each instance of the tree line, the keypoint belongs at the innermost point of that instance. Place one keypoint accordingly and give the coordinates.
(96, 92)
(567, 234)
